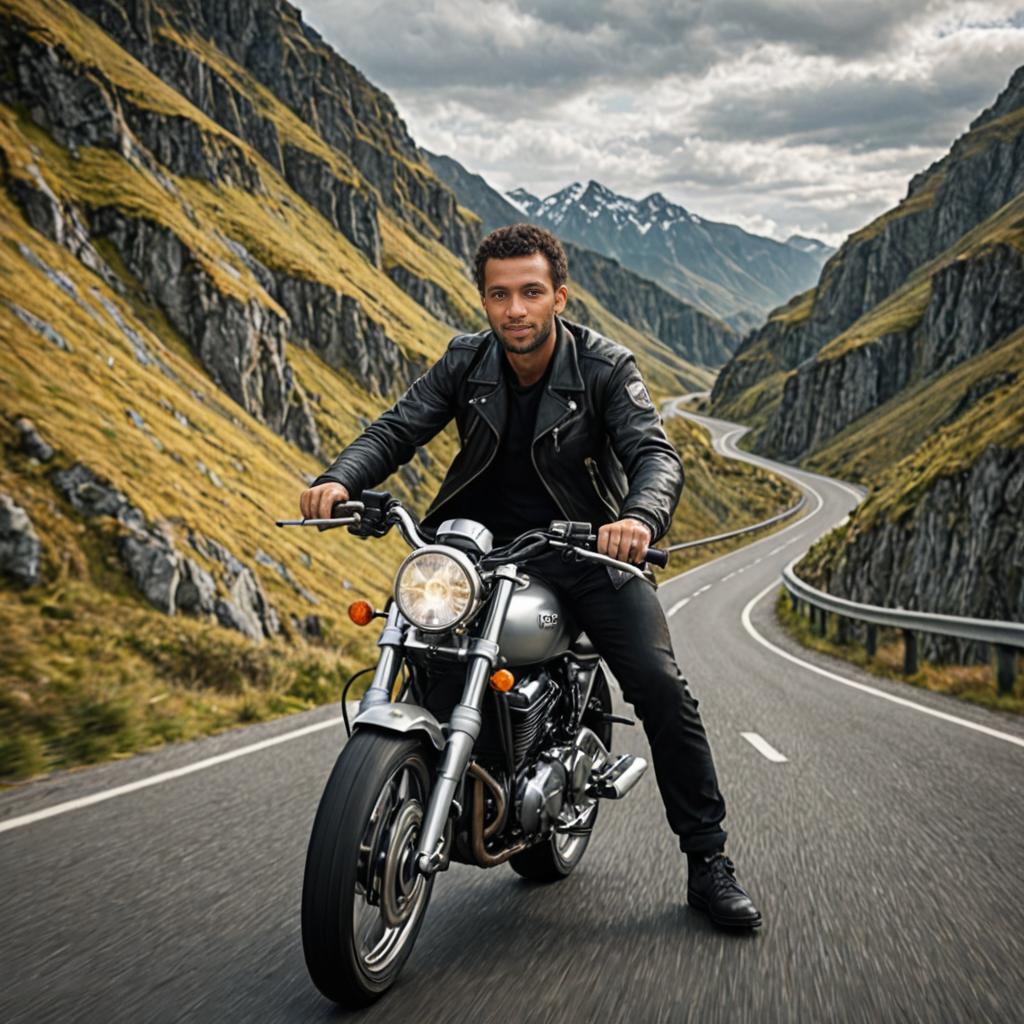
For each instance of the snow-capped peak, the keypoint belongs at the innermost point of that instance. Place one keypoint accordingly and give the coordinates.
(525, 202)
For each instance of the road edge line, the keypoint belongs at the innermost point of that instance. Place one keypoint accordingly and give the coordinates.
(863, 687)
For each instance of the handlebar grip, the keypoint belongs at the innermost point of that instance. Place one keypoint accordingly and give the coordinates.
(657, 556)
(338, 510)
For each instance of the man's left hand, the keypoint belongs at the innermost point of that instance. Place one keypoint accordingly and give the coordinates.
(626, 539)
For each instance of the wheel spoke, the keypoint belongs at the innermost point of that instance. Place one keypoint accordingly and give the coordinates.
(377, 943)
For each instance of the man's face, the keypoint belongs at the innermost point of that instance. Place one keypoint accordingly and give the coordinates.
(520, 301)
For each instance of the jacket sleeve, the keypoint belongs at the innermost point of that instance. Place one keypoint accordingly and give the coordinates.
(391, 440)
(652, 465)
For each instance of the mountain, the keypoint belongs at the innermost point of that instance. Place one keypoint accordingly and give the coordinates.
(904, 368)
(811, 245)
(717, 267)
(222, 255)
(686, 330)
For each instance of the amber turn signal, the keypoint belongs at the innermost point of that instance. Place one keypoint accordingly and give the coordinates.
(361, 612)
(503, 680)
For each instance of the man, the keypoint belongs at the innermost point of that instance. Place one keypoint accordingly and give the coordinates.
(555, 423)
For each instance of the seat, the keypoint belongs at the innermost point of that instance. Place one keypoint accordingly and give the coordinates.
(583, 648)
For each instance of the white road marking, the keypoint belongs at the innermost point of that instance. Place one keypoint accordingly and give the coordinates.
(702, 589)
(156, 780)
(760, 744)
(749, 627)
(775, 551)
(755, 561)
(679, 604)
(729, 577)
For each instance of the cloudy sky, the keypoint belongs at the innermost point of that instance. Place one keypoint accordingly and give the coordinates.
(782, 116)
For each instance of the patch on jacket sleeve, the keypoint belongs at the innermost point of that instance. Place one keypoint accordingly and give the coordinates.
(638, 394)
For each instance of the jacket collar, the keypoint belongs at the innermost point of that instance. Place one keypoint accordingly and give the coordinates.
(565, 369)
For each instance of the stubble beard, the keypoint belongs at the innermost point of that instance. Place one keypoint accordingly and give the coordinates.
(542, 335)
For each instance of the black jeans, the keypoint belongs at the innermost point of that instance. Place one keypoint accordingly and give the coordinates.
(628, 628)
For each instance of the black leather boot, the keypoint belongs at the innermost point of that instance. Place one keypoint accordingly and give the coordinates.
(713, 888)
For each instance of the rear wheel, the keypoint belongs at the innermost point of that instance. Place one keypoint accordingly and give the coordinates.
(363, 900)
(556, 858)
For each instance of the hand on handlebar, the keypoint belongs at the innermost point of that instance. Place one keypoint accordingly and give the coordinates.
(318, 502)
(626, 539)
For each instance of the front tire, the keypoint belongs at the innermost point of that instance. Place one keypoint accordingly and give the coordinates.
(363, 901)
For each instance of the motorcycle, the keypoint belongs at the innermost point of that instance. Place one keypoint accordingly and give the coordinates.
(484, 737)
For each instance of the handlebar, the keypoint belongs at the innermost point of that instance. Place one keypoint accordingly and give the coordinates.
(377, 512)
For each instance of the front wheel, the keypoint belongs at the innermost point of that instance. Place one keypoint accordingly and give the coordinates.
(363, 900)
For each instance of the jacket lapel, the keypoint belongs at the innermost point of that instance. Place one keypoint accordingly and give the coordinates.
(490, 396)
(560, 398)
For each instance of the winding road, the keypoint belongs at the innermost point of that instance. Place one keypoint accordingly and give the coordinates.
(879, 827)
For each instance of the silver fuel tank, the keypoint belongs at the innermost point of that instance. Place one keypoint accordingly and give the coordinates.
(536, 628)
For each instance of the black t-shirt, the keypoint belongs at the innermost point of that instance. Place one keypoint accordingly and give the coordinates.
(509, 497)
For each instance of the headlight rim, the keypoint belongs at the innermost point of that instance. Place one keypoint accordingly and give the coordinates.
(465, 563)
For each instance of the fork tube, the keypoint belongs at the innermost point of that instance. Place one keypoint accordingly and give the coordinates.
(464, 724)
(390, 644)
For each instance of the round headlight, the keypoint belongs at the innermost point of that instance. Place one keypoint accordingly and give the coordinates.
(437, 588)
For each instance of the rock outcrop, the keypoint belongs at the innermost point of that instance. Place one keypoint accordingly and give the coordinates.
(19, 544)
(973, 305)
(903, 329)
(32, 444)
(169, 580)
(270, 42)
(959, 551)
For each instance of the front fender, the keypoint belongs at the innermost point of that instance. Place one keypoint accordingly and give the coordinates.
(401, 718)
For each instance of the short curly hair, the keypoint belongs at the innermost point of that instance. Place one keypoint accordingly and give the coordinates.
(521, 240)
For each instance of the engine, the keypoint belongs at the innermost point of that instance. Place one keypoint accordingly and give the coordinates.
(528, 705)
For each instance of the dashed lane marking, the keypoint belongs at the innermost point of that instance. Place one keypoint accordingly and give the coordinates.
(762, 746)
(679, 604)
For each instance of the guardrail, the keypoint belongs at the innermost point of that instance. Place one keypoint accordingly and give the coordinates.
(745, 529)
(1006, 637)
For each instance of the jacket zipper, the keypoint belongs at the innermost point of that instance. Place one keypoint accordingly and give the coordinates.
(533, 458)
(595, 479)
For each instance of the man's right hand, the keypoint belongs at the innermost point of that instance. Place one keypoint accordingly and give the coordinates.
(317, 502)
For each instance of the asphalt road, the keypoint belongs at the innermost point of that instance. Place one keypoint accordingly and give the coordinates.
(886, 852)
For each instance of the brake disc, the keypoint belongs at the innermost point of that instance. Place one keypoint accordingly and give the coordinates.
(401, 882)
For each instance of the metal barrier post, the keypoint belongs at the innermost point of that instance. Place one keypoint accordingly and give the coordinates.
(842, 629)
(1006, 668)
(871, 643)
(909, 652)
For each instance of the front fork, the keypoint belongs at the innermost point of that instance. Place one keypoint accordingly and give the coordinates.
(464, 724)
(465, 719)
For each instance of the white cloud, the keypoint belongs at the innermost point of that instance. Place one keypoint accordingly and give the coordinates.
(782, 116)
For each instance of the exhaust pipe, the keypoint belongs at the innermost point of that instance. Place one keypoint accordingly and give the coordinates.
(617, 780)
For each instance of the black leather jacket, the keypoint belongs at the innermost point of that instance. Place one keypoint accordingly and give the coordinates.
(598, 444)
